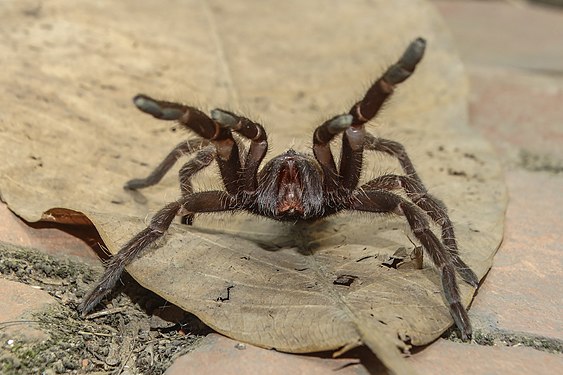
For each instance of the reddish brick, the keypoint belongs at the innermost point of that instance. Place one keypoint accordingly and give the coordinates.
(520, 113)
(19, 301)
(446, 357)
(523, 290)
(506, 33)
(220, 355)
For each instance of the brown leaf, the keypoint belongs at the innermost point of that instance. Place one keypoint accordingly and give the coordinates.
(70, 139)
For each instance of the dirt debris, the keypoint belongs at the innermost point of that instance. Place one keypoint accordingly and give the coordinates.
(510, 339)
(139, 333)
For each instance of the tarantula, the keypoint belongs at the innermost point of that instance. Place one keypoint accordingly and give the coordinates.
(295, 186)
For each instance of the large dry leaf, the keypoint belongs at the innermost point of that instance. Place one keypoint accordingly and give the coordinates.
(70, 138)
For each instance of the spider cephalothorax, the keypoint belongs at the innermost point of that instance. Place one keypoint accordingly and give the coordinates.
(295, 186)
(290, 188)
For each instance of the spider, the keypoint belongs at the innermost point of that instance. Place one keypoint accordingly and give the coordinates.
(295, 186)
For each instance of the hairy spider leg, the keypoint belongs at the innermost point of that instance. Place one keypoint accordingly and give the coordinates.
(184, 148)
(258, 144)
(363, 111)
(367, 108)
(384, 201)
(434, 208)
(394, 149)
(202, 159)
(193, 119)
(209, 201)
(321, 148)
(355, 139)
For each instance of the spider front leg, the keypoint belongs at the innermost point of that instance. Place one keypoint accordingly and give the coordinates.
(353, 139)
(383, 201)
(258, 144)
(195, 120)
(363, 111)
(321, 148)
(367, 108)
(210, 201)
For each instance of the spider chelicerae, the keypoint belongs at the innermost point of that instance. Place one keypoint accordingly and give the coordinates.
(295, 186)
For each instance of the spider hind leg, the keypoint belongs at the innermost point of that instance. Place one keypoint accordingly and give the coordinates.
(386, 202)
(434, 208)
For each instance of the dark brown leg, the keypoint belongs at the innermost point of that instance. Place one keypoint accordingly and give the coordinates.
(321, 148)
(258, 144)
(394, 149)
(202, 159)
(197, 121)
(385, 201)
(184, 148)
(210, 201)
(367, 108)
(434, 208)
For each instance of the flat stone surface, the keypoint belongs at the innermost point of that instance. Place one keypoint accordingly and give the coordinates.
(220, 355)
(19, 302)
(446, 357)
(521, 115)
(506, 33)
(523, 292)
